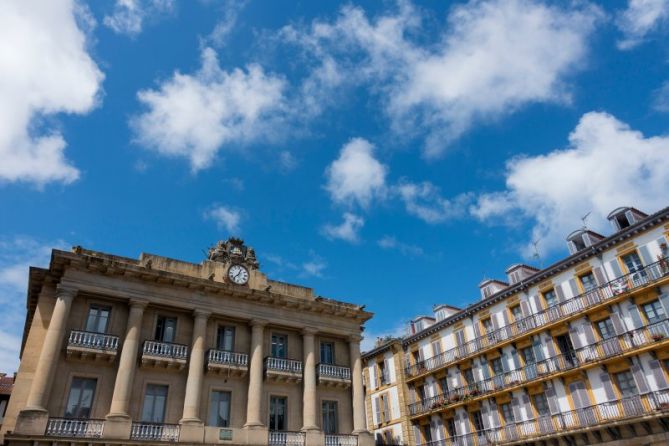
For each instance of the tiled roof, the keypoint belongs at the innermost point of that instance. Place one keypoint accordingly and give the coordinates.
(6, 385)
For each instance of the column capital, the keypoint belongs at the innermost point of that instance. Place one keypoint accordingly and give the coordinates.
(354, 338)
(138, 303)
(66, 290)
(258, 322)
(201, 313)
(309, 331)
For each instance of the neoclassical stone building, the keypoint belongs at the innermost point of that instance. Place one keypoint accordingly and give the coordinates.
(125, 351)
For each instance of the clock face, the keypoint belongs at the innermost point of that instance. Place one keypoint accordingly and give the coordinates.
(238, 274)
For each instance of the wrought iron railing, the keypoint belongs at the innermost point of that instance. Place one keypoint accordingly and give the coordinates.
(97, 341)
(74, 428)
(604, 349)
(334, 371)
(283, 365)
(165, 349)
(567, 308)
(225, 357)
(285, 438)
(341, 440)
(154, 432)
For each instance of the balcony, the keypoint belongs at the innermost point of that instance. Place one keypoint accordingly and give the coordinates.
(334, 375)
(627, 343)
(85, 345)
(642, 407)
(228, 363)
(341, 440)
(154, 432)
(73, 428)
(283, 370)
(164, 355)
(558, 313)
(283, 438)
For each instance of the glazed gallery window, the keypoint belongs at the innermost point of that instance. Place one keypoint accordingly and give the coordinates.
(279, 346)
(329, 412)
(98, 319)
(277, 413)
(550, 298)
(225, 339)
(155, 401)
(166, 328)
(327, 353)
(219, 409)
(625, 382)
(653, 311)
(80, 400)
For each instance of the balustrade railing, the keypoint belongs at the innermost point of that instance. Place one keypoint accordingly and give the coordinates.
(334, 371)
(550, 315)
(603, 349)
(154, 432)
(97, 341)
(74, 428)
(165, 349)
(283, 365)
(225, 357)
(341, 440)
(285, 438)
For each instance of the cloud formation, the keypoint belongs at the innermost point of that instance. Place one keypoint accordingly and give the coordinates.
(46, 70)
(640, 18)
(128, 16)
(424, 200)
(225, 217)
(347, 230)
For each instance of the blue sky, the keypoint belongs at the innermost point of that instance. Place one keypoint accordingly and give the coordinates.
(391, 154)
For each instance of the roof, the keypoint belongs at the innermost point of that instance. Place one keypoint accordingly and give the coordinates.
(622, 209)
(6, 384)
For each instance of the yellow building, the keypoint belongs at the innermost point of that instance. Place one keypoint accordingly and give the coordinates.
(576, 353)
(125, 351)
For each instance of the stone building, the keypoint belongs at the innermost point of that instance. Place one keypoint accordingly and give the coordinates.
(6, 386)
(124, 351)
(573, 354)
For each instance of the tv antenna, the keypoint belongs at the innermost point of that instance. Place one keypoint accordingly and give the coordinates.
(584, 219)
(536, 256)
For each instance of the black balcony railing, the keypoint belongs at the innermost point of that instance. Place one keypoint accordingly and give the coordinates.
(605, 349)
(567, 308)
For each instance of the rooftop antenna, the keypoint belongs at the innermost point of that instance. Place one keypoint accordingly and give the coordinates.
(536, 256)
(584, 219)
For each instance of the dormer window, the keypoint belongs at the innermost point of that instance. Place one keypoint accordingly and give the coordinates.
(625, 217)
(581, 239)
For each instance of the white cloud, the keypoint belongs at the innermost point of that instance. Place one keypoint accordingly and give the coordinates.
(224, 27)
(225, 217)
(639, 19)
(46, 70)
(314, 267)
(606, 165)
(347, 230)
(129, 15)
(356, 177)
(494, 57)
(423, 200)
(661, 99)
(195, 116)
(391, 243)
(287, 161)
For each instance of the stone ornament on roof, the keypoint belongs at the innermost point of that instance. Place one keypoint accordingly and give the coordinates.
(234, 251)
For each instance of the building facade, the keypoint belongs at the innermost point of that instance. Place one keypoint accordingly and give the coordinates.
(126, 351)
(573, 354)
(6, 386)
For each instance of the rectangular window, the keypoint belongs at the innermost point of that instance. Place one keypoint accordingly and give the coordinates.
(155, 401)
(98, 319)
(450, 427)
(632, 262)
(550, 297)
(225, 339)
(517, 313)
(279, 346)
(605, 328)
(653, 311)
(166, 328)
(497, 368)
(541, 404)
(329, 412)
(277, 413)
(507, 413)
(219, 409)
(477, 420)
(487, 325)
(528, 355)
(427, 434)
(327, 353)
(468, 375)
(443, 383)
(80, 400)
(588, 281)
(625, 382)
(383, 373)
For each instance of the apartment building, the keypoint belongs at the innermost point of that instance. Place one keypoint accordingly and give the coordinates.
(152, 350)
(573, 354)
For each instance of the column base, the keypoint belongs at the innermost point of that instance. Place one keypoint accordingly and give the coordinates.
(256, 434)
(365, 438)
(314, 437)
(32, 421)
(117, 426)
(310, 428)
(191, 431)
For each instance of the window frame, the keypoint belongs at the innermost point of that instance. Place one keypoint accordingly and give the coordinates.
(99, 307)
(554, 297)
(332, 352)
(162, 330)
(165, 407)
(82, 389)
(223, 327)
(335, 404)
(284, 398)
(277, 335)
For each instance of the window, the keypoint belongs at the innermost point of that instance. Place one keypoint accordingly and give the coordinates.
(653, 311)
(327, 353)
(155, 401)
(632, 262)
(507, 412)
(219, 409)
(477, 420)
(450, 427)
(443, 383)
(166, 328)
(277, 413)
(517, 313)
(605, 328)
(383, 373)
(427, 434)
(225, 339)
(588, 281)
(625, 382)
(497, 368)
(550, 297)
(468, 375)
(329, 412)
(279, 344)
(98, 319)
(487, 325)
(541, 404)
(528, 355)
(80, 400)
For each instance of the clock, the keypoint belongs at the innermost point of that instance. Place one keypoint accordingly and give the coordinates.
(238, 274)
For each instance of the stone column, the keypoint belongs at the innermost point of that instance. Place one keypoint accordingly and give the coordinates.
(309, 381)
(48, 358)
(358, 396)
(191, 413)
(255, 375)
(127, 363)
